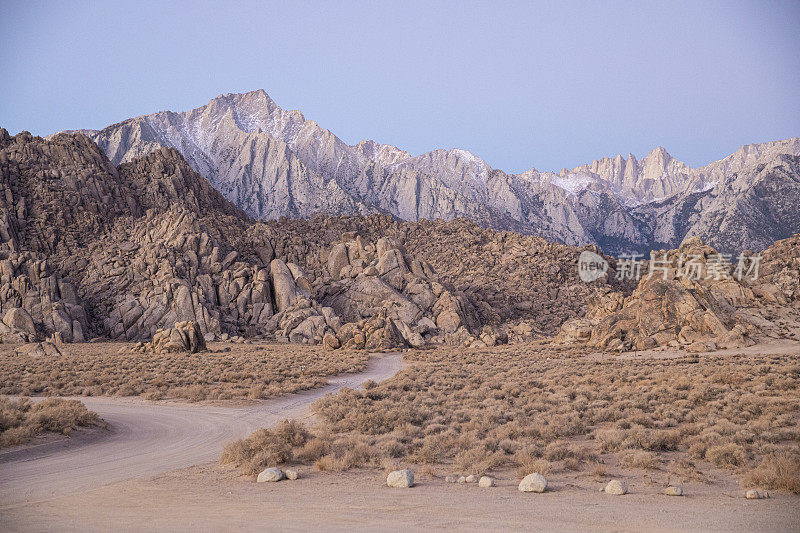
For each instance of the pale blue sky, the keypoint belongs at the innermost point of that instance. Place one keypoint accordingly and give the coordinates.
(521, 84)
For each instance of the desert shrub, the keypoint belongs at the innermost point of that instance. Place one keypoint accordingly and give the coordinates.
(266, 447)
(598, 470)
(477, 460)
(245, 371)
(657, 440)
(21, 419)
(346, 453)
(536, 407)
(529, 463)
(726, 455)
(557, 451)
(638, 459)
(609, 440)
(314, 449)
(778, 471)
(434, 450)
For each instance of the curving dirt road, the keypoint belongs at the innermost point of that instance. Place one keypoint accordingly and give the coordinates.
(147, 439)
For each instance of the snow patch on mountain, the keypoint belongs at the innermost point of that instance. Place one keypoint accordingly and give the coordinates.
(573, 183)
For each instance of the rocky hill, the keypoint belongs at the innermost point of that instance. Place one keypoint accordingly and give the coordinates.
(93, 250)
(271, 162)
(696, 298)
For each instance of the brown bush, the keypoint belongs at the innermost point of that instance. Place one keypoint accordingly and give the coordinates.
(726, 455)
(21, 420)
(528, 464)
(639, 459)
(538, 407)
(266, 447)
(598, 470)
(778, 471)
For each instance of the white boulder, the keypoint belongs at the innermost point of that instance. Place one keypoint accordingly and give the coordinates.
(402, 479)
(618, 487)
(533, 483)
(270, 475)
(486, 481)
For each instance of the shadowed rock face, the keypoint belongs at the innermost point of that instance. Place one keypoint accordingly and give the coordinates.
(271, 163)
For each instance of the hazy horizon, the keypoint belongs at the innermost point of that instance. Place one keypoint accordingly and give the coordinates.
(520, 85)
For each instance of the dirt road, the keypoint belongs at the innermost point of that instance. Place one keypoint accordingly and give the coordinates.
(147, 439)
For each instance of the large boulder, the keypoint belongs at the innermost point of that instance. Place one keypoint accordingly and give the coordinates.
(39, 349)
(300, 279)
(183, 337)
(449, 316)
(270, 475)
(533, 483)
(337, 259)
(19, 319)
(377, 333)
(370, 292)
(62, 324)
(486, 481)
(616, 487)
(401, 479)
(283, 284)
(391, 262)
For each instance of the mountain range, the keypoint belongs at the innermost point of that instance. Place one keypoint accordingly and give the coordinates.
(271, 162)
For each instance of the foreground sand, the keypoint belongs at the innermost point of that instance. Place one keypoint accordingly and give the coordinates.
(210, 498)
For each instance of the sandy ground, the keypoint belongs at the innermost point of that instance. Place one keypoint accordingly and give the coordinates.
(148, 438)
(212, 498)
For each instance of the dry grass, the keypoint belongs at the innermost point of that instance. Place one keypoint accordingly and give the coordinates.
(779, 471)
(244, 372)
(729, 455)
(639, 459)
(21, 420)
(266, 447)
(539, 408)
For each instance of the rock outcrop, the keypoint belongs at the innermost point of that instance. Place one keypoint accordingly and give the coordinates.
(389, 297)
(182, 337)
(159, 246)
(696, 298)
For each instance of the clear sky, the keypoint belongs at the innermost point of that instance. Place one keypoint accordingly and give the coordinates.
(521, 84)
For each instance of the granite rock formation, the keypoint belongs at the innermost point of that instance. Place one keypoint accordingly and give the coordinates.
(149, 249)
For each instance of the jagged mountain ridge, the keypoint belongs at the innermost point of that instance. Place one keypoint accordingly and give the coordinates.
(271, 162)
